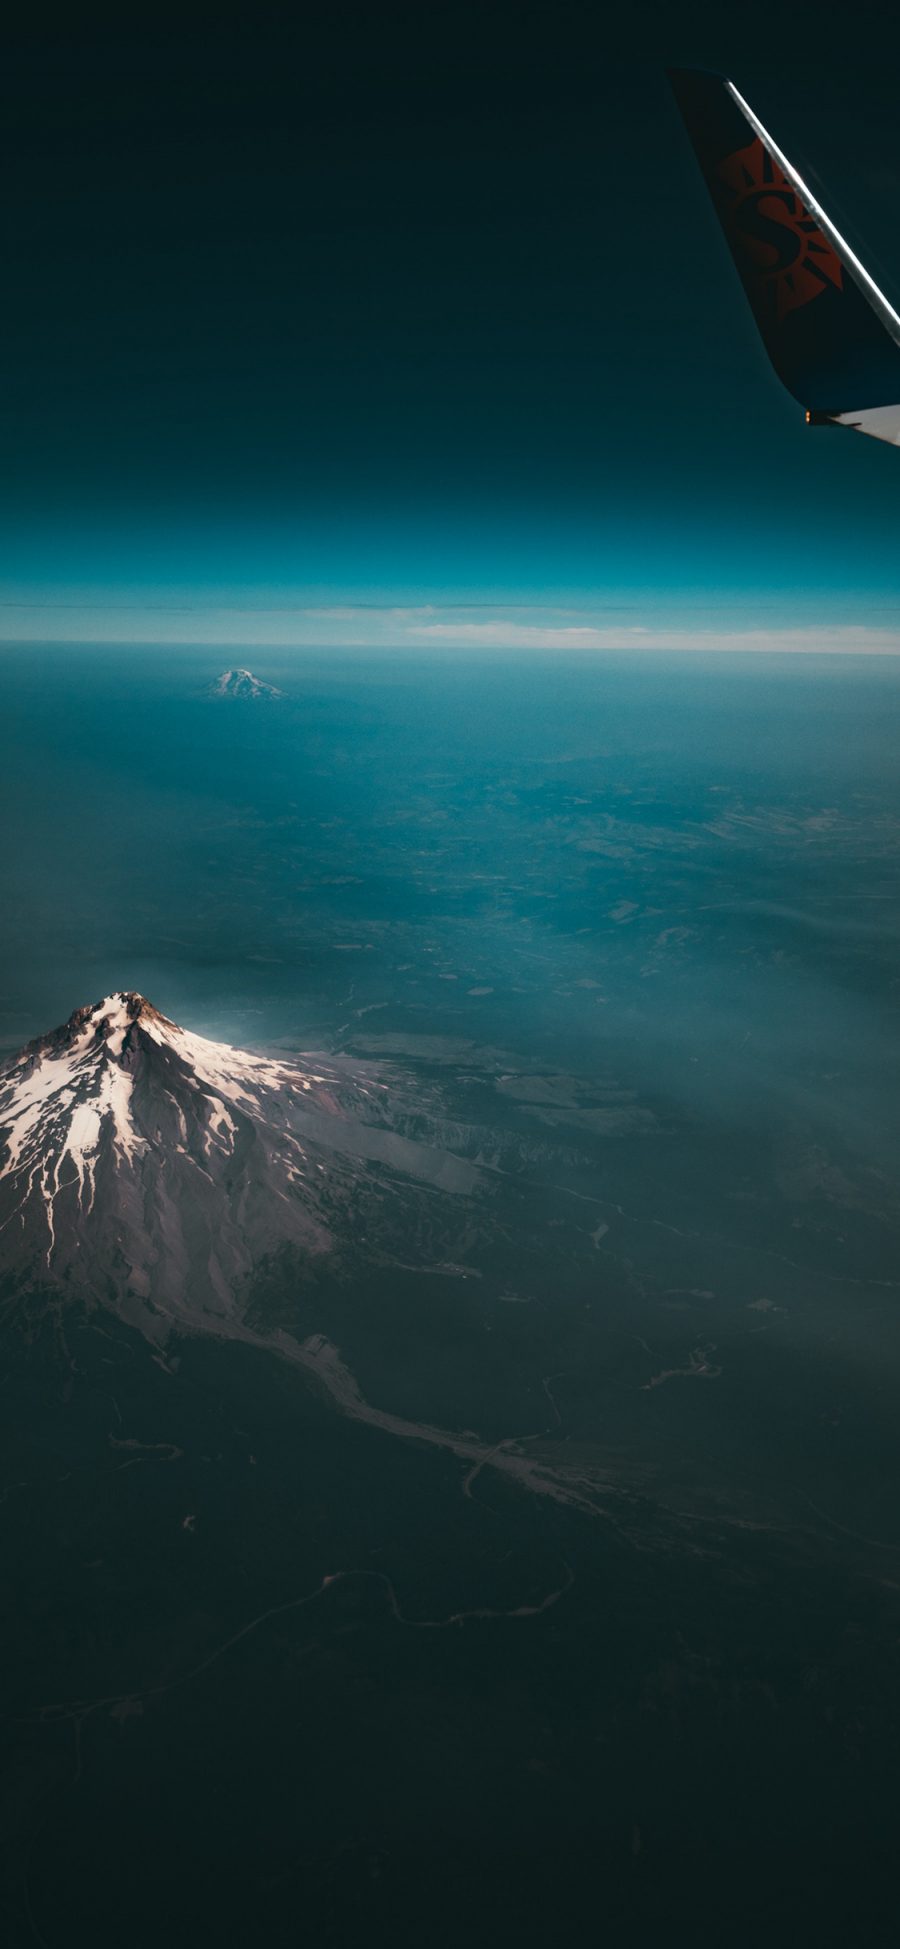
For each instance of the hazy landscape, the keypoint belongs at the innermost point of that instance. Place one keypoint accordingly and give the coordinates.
(519, 1543)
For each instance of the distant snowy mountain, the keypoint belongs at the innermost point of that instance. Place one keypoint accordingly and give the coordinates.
(149, 1169)
(242, 684)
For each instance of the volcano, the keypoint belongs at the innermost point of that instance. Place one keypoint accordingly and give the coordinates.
(244, 686)
(151, 1170)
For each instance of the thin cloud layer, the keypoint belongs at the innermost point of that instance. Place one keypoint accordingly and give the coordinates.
(250, 624)
(844, 640)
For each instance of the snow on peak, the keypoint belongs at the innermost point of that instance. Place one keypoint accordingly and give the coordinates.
(70, 1096)
(152, 1170)
(242, 683)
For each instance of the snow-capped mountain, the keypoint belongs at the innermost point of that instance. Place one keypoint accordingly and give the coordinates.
(242, 684)
(152, 1169)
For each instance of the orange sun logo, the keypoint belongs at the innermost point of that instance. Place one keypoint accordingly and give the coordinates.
(778, 244)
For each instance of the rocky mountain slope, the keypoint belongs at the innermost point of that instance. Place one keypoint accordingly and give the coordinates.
(242, 684)
(151, 1169)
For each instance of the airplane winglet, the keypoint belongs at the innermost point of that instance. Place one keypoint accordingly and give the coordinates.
(830, 333)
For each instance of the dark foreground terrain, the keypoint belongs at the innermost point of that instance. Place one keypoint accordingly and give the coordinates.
(530, 1568)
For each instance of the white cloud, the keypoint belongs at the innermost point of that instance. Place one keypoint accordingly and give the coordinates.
(845, 639)
(354, 612)
(245, 625)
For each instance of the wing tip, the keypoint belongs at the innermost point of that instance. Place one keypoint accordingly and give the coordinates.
(676, 74)
(700, 91)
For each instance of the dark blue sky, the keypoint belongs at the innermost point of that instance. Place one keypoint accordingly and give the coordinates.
(426, 303)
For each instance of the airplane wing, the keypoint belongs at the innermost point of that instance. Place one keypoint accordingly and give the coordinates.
(830, 333)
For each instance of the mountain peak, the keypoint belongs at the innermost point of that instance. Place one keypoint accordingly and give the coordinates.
(242, 684)
(97, 1024)
(152, 1170)
(137, 1156)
